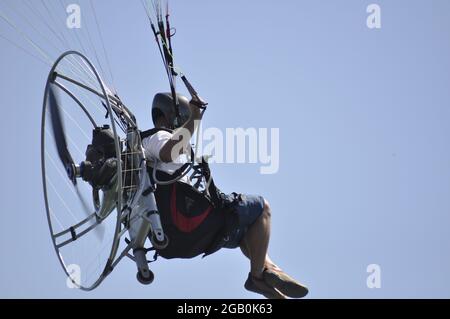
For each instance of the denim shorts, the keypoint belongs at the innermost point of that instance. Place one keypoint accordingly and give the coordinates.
(247, 210)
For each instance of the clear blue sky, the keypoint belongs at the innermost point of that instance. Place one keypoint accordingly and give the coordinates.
(363, 116)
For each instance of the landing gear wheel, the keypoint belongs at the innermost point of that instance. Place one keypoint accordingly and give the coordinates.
(145, 280)
(159, 244)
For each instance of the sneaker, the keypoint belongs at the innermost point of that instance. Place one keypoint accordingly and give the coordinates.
(259, 286)
(285, 284)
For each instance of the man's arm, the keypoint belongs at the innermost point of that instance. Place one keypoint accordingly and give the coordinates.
(181, 136)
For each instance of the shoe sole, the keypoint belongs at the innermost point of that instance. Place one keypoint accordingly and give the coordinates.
(266, 294)
(289, 288)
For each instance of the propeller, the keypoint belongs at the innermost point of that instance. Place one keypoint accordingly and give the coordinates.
(59, 134)
(64, 154)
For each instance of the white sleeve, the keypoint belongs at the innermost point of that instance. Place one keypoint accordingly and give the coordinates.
(153, 144)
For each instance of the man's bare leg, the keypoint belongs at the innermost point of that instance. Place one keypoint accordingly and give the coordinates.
(261, 228)
(268, 264)
(256, 243)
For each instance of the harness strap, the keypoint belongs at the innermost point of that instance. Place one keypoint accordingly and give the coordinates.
(201, 170)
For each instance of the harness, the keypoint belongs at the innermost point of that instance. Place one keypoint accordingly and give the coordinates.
(195, 217)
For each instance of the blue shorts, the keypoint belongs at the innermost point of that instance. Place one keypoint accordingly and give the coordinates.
(246, 211)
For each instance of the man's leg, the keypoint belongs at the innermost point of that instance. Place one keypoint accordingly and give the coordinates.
(255, 245)
(268, 264)
(256, 242)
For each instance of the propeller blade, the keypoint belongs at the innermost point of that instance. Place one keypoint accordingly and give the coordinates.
(58, 129)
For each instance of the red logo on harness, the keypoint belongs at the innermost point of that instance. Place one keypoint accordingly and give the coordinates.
(183, 223)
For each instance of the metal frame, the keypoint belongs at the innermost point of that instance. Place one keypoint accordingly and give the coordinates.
(139, 217)
(111, 262)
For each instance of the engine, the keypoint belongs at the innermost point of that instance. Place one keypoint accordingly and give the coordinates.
(100, 165)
